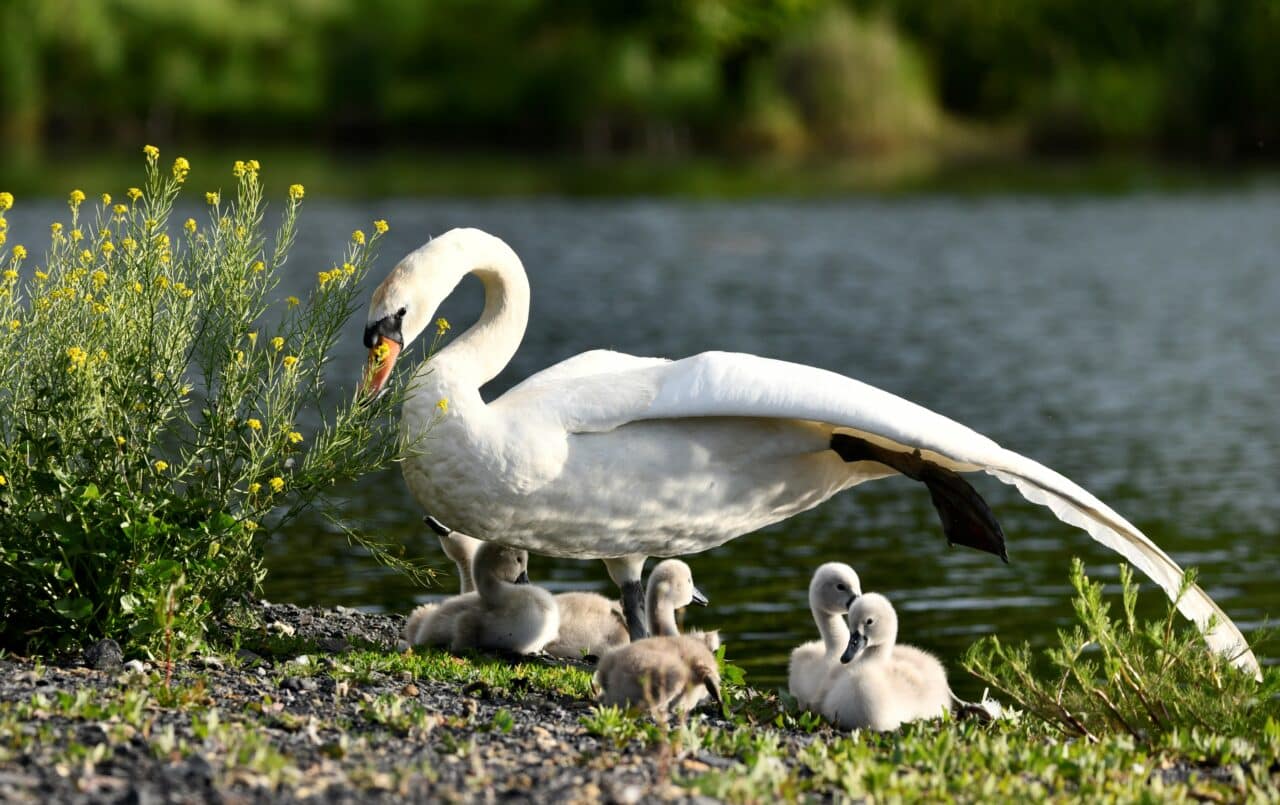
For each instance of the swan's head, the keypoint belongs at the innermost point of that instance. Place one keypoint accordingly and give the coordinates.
(872, 622)
(672, 581)
(405, 303)
(833, 589)
(498, 562)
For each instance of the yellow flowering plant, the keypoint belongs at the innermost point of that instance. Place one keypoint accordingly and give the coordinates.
(149, 407)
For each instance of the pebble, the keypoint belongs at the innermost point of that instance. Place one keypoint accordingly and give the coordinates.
(281, 628)
(409, 690)
(137, 667)
(105, 655)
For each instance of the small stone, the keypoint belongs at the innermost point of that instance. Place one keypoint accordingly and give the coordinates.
(136, 667)
(212, 663)
(333, 645)
(409, 690)
(105, 655)
(299, 683)
(248, 658)
(281, 628)
(302, 660)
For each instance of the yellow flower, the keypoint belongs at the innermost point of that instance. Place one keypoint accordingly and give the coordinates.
(181, 167)
(129, 243)
(108, 247)
(152, 152)
(212, 198)
(3, 238)
(6, 201)
(442, 325)
(253, 165)
(41, 276)
(161, 465)
(86, 256)
(120, 210)
(238, 169)
(10, 275)
(254, 487)
(258, 267)
(326, 277)
(443, 405)
(77, 196)
(253, 424)
(278, 343)
(19, 252)
(292, 301)
(99, 277)
(380, 226)
(3, 481)
(250, 525)
(76, 236)
(253, 337)
(358, 237)
(77, 357)
(381, 351)
(120, 440)
(277, 483)
(296, 192)
(137, 287)
(348, 269)
(294, 437)
(162, 281)
(106, 199)
(14, 324)
(190, 225)
(134, 194)
(55, 229)
(289, 361)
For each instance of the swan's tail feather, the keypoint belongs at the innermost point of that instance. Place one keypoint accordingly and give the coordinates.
(1075, 506)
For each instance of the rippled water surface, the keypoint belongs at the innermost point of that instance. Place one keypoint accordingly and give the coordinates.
(1130, 343)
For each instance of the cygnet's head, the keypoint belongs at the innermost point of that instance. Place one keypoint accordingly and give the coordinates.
(872, 622)
(494, 561)
(833, 589)
(672, 581)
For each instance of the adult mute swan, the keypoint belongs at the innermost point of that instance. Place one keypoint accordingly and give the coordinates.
(616, 457)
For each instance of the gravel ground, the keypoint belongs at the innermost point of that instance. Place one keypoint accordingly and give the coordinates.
(322, 743)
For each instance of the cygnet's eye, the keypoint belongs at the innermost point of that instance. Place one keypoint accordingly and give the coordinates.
(842, 587)
(869, 621)
(400, 313)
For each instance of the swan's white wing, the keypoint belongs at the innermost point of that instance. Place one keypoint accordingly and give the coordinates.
(734, 384)
(592, 391)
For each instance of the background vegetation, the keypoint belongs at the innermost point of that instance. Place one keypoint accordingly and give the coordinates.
(1198, 78)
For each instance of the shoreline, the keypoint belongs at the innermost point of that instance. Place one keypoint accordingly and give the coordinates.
(317, 705)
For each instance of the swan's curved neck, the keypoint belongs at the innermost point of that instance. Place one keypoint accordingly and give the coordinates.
(834, 631)
(662, 617)
(482, 351)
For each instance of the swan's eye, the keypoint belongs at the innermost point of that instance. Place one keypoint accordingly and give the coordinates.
(400, 313)
(869, 620)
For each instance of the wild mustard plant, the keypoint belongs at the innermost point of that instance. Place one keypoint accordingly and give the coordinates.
(151, 385)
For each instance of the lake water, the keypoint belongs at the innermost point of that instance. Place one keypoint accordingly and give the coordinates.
(1130, 343)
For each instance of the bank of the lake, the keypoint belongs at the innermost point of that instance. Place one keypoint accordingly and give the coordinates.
(316, 704)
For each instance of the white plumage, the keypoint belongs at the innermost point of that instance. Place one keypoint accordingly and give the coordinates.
(612, 456)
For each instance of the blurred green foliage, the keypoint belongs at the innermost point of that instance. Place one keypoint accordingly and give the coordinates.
(647, 76)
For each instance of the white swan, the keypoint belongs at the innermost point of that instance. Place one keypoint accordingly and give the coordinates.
(884, 684)
(612, 456)
(833, 588)
(659, 674)
(505, 612)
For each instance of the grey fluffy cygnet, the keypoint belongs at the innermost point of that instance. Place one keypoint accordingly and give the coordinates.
(832, 589)
(659, 674)
(505, 612)
(591, 624)
(883, 684)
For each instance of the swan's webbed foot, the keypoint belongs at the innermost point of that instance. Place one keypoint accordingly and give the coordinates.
(966, 518)
(633, 610)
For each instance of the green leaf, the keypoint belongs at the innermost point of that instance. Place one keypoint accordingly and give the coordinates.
(77, 609)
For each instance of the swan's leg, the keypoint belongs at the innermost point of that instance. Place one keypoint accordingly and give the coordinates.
(966, 518)
(626, 572)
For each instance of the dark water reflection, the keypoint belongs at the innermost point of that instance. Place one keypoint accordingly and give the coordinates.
(1130, 343)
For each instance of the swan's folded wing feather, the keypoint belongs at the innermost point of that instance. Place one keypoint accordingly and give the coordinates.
(734, 384)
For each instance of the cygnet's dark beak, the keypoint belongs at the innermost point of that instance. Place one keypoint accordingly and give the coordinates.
(699, 598)
(523, 578)
(856, 642)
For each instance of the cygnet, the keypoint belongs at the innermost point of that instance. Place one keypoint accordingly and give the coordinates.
(505, 612)
(832, 589)
(659, 675)
(883, 685)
